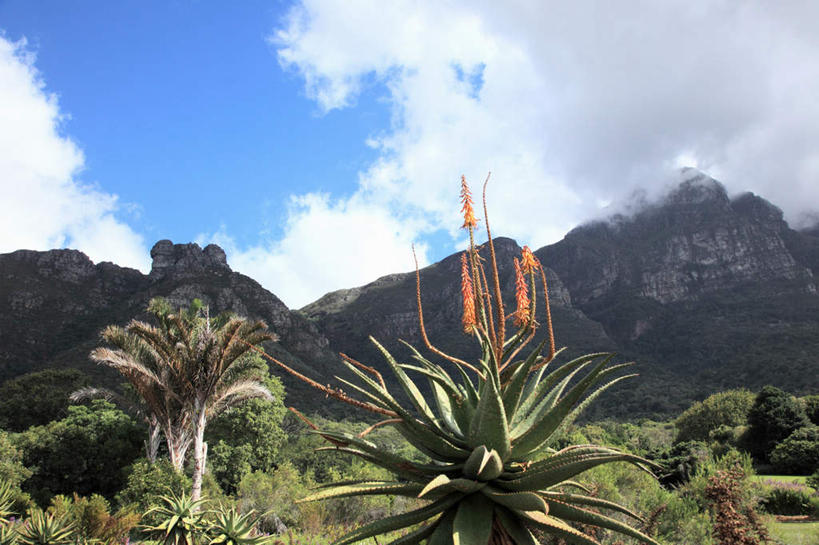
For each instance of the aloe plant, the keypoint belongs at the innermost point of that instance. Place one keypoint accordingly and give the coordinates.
(229, 527)
(45, 529)
(183, 520)
(492, 475)
(6, 503)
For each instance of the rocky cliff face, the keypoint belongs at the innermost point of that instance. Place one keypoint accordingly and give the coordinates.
(703, 291)
(54, 304)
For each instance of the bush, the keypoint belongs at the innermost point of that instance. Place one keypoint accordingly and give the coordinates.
(774, 416)
(91, 518)
(813, 480)
(779, 498)
(725, 409)
(86, 452)
(147, 483)
(682, 461)
(799, 453)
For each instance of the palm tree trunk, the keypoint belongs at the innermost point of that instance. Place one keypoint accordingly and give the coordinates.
(199, 451)
(152, 444)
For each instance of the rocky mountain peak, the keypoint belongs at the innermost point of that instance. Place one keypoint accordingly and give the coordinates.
(186, 259)
(697, 189)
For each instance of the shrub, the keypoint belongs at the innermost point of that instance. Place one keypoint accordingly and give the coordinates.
(682, 461)
(779, 498)
(774, 416)
(799, 453)
(813, 481)
(92, 520)
(147, 483)
(735, 519)
(86, 452)
(725, 409)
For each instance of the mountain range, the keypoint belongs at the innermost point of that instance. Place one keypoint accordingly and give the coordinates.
(703, 291)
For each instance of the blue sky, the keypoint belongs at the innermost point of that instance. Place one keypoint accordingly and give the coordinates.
(316, 140)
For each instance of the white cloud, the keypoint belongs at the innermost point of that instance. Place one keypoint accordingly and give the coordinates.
(44, 205)
(580, 102)
(572, 105)
(326, 245)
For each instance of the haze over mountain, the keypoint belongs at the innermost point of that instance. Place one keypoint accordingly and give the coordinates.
(703, 291)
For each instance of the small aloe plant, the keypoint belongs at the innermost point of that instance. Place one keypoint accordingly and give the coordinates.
(6, 503)
(45, 529)
(229, 527)
(488, 431)
(183, 520)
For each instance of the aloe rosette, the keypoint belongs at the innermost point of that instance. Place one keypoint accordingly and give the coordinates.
(492, 475)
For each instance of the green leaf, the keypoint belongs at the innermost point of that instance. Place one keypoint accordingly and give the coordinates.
(444, 485)
(489, 426)
(575, 514)
(516, 501)
(473, 521)
(363, 489)
(515, 528)
(396, 522)
(514, 389)
(592, 502)
(557, 527)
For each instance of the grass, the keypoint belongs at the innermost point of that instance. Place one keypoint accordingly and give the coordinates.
(795, 533)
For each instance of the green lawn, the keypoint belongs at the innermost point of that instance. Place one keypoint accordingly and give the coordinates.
(795, 533)
(783, 478)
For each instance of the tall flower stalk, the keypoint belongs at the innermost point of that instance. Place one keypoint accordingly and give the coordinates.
(488, 428)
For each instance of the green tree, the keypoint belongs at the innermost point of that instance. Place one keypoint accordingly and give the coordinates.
(35, 399)
(201, 365)
(722, 409)
(12, 470)
(147, 483)
(85, 452)
(812, 408)
(247, 438)
(773, 417)
(798, 454)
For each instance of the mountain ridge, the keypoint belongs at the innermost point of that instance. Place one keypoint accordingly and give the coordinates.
(704, 291)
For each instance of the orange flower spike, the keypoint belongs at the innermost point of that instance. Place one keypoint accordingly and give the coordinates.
(468, 294)
(467, 210)
(528, 263)
(521, 296)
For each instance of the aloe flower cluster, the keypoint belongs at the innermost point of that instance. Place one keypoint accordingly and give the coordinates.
(487, 428)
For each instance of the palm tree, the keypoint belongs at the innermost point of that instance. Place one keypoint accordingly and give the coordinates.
(187, 369)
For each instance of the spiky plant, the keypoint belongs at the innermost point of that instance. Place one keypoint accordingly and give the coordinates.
(8, 534)
(45, 529)
(6, 502)
(492, 475)
(229, 527)
(182, 520)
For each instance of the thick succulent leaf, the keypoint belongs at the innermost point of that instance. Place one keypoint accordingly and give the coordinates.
(575, 514)
(514, 388)
(543, 385)
(442, 535)
(515, 528)
(396, 522)
(473, 521)
(416, 536)
(591, 501)
(521, 425)
(444, 485)
(546, 477)
(409, 387)
(404, 471)
(430, 443)
(364, 489)
(483, 464)
(541, 431)
(489, 426)
(516, 501)
(469, 387)
(570, 484)
(557, 527)
(572, 416)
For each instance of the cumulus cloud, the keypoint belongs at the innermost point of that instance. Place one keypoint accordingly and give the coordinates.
(327, 244)
(44, 204)
(573, 106)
